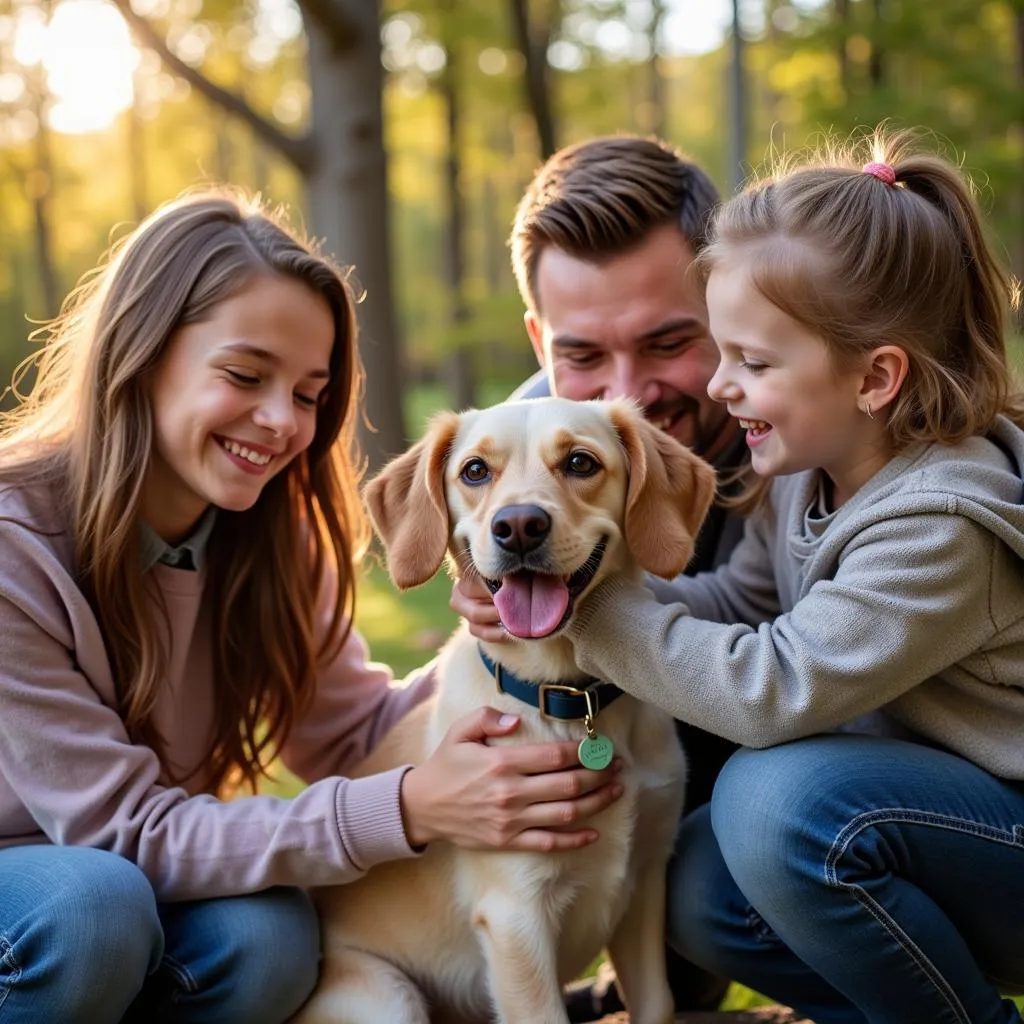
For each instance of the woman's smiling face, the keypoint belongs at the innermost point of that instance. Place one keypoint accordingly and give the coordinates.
(234, 400)
(799, 409)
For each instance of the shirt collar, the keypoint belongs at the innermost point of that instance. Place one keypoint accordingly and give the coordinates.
(189, 554)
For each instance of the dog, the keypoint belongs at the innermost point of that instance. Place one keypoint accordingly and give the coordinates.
(543, 499)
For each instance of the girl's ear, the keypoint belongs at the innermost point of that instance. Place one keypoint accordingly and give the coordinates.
(407, 505)
(670, 492)
(885, 376)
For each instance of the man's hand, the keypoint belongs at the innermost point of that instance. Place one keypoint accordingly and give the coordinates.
(472, 600)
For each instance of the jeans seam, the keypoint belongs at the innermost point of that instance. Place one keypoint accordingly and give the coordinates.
(10, 961)
(870, 819)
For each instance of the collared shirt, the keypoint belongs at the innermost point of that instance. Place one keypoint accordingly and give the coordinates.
(189, 554)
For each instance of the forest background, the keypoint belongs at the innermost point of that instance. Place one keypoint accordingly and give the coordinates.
(402, 134)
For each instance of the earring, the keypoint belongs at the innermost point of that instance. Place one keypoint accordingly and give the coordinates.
(867, 409)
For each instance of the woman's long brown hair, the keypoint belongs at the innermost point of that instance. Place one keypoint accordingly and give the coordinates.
(86, 429)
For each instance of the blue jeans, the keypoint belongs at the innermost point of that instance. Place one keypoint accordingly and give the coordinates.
(83, 941)
(858, 880)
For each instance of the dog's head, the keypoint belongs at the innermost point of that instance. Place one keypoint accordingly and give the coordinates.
(541, 498)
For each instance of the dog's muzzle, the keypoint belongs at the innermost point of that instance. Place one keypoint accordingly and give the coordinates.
(534, 604)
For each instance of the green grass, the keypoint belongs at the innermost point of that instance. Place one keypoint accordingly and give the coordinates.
(403, 630)
(426, 399)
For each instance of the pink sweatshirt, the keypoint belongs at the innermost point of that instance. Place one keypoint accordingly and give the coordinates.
(70, 775)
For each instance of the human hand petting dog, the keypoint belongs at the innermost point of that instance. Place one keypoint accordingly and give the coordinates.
(507, 797)
(473, 601)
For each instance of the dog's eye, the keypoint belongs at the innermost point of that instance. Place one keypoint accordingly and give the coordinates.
(581, 464)
(475, 472)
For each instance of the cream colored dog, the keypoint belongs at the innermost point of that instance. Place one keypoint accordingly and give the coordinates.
(543, 499)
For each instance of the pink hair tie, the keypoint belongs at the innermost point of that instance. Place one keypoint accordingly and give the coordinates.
(883, 172)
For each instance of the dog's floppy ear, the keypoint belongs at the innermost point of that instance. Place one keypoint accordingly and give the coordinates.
(670, 492)
(407, 505)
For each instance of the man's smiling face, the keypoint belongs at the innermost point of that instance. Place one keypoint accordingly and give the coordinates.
(634, 326)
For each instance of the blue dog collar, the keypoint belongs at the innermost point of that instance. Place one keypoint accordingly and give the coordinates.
(564, 701)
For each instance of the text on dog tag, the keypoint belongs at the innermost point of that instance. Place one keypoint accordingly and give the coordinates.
(596, 752)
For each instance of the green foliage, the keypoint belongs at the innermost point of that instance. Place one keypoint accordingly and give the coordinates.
(945, 64)
(404, 630)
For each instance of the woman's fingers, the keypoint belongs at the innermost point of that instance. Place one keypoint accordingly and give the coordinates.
(565, 785)
(476, 726)
(534, 758)
(556, 797)
(541, 841)
(557, 825)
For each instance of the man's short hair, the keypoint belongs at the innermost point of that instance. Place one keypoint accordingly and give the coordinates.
(600, 198)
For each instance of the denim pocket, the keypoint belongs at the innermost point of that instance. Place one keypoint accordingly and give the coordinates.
(10, 969)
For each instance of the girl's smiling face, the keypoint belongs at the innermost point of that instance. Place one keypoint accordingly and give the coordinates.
(234, 401)
(800, 410)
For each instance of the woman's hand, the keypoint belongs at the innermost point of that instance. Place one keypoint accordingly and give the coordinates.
(472, 600)
(529, 797)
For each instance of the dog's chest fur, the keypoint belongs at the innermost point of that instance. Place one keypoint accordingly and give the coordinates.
(438, 900)
(582, 894)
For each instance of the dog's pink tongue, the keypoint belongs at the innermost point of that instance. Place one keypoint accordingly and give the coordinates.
(531, 604)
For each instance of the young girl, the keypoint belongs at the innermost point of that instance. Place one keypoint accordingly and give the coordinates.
(863, 861)
(178, 522)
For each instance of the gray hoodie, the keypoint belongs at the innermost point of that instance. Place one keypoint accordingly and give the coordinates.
(908, 599)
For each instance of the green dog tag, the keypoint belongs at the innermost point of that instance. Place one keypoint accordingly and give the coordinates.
(596, 752)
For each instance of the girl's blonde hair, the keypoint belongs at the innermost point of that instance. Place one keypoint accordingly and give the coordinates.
(864, 263)
(86, 429)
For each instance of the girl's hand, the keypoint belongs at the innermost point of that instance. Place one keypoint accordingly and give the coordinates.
(472, 600)
(530, 797)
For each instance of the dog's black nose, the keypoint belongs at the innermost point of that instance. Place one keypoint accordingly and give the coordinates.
(520, 528)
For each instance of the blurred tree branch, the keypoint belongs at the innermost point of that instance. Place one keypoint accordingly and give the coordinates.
(296, 149)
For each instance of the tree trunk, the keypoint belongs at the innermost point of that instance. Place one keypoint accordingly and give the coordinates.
(738, 96)
(842, 15)
(876, 62)
(137, 157)
(655, 82)
(348, 205)
(459, 359)
(532, 43)
(40, 189)
(495, 235)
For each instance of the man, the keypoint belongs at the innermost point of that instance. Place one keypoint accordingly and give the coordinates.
(602, 246)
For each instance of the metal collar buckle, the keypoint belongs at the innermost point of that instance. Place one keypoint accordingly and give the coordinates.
(593, 704)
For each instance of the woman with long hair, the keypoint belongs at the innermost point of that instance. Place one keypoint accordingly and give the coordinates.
(179, 520)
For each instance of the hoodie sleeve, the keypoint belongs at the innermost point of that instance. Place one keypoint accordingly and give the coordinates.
(741, 590)
(68, 765)
(901, 608)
